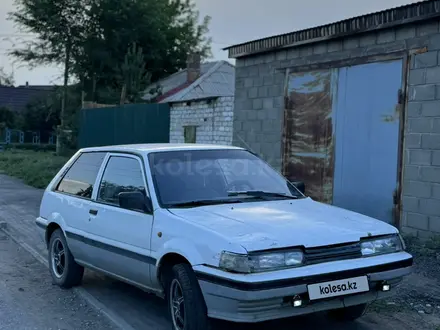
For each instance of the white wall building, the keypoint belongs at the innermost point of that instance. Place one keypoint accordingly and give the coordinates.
(201, 100)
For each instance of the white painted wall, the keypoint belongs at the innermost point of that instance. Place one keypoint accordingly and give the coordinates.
(213, 121)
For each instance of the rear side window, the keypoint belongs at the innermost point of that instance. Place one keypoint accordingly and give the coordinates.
(81, 176)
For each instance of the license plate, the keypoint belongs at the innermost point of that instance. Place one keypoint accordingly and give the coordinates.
(338, 288)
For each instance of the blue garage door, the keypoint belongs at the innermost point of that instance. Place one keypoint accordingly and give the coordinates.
(366, 138)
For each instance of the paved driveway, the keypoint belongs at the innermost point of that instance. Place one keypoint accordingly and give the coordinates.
(135, 309)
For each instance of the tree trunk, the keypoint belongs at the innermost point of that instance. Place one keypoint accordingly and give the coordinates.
(123, 94)
(62, 128)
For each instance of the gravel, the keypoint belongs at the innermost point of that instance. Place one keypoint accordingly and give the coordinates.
(28, 300)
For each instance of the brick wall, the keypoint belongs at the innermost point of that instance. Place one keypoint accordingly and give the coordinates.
(213, 121)
(258, 115)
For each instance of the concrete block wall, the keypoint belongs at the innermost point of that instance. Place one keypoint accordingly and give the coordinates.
(259, 103)
(421, 185)
(213, 121)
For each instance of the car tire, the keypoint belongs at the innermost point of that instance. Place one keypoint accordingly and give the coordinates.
(183, 294)
(351, 313)
(65, 272)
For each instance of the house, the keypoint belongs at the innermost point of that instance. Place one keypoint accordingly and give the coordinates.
(353, 109)
(49, 88)
(201, 100)
(17, 98)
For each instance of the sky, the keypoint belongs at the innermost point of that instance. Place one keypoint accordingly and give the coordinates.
(233, 21)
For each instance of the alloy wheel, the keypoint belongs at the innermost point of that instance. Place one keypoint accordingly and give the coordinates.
(58, 258)
(177, 305)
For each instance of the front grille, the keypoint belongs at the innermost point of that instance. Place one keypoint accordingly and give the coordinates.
(332, 253)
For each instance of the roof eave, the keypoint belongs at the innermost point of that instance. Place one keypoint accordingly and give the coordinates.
(389, 18)
(199, 99)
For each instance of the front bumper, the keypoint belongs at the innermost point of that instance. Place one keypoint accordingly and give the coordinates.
(260, 297)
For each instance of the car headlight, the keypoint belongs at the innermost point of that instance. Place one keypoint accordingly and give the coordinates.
(383, 245)
(260, 262)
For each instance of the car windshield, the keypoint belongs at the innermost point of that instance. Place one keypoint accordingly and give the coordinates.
(203, 177)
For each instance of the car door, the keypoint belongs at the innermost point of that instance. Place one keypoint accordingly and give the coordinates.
(72, 196)
(121, 236)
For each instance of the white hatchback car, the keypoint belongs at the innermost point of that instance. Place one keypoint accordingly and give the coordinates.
(217, 232)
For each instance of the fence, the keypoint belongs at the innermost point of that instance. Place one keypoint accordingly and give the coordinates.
(15, 136)
(127, 124)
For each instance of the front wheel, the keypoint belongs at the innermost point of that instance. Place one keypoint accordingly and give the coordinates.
(351, 313)
(186, 304)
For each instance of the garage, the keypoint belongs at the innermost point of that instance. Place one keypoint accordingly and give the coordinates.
(351, 108)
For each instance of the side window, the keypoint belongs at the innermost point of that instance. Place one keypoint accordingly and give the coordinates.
(81, 176)
(122, 174)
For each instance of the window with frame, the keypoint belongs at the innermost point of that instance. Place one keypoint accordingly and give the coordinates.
(81, 176)
(190, 134)
(121, 174)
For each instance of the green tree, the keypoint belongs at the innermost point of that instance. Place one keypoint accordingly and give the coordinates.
(133, 75)
(57, 26)
(5, 78)
(43, 114)
(7, 117)
(171, 31)
(91, 37)
(59, 30)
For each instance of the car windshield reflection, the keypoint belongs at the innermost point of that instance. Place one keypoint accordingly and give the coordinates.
(203, 177)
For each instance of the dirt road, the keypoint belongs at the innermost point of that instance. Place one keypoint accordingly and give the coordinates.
(130, 308)
(29, 301)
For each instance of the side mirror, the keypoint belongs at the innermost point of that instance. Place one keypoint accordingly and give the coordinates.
(300, 186)
(135, 200)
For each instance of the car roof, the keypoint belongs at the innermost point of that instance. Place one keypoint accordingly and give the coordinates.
(159, 147)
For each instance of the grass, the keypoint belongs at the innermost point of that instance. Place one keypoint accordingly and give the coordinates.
(427, 248)
(35, 168)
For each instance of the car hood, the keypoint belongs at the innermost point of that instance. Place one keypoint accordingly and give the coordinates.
(287, 223)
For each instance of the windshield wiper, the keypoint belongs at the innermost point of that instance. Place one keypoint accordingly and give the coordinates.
(204, 202)
(262, 194)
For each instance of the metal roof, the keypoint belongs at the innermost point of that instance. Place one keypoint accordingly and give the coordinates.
(216, 79)
(40, 87)
(418, 11)
(17, 98)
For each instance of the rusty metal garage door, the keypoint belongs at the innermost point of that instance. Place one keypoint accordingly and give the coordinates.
(308, 135)
(341, 135)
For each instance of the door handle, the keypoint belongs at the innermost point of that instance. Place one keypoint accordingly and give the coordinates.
(93, 212)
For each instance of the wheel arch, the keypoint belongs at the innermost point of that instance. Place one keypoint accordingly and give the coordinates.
(51, 227)
(168, 261)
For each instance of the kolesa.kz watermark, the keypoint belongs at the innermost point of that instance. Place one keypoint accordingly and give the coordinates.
(350, 286)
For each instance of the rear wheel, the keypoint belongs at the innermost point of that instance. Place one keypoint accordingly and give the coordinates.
(351, 313)
(186, 304)
(64, 270)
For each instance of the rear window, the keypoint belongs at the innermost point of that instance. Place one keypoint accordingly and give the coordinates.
(80, 178)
